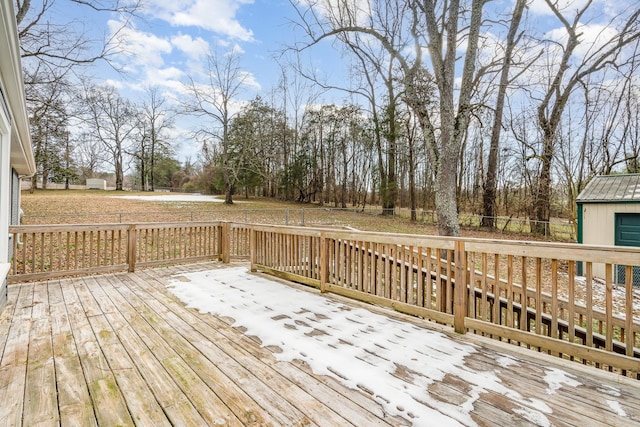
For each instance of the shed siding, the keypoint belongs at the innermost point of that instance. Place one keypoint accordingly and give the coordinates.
(599, 223)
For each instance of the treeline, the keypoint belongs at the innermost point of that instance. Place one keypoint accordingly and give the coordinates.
(450, 106)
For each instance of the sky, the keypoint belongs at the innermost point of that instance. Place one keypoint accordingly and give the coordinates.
(361, 349)
(166, 43)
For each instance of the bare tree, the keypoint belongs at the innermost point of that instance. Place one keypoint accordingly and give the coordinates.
(214, 101)
(52, 47)
(563, 77)
(89, 156)
(489, 207)
(158, 119)
(443, 29)
(112, 120)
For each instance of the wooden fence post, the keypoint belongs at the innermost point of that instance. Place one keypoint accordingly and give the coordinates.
(253, 248)
(225, 242)
(324, 263)
(131, 248)
(460, 290)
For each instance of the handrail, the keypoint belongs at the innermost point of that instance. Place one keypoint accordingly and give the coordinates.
(476, 285)
(473, 285)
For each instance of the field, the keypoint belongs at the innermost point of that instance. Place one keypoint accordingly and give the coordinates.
(83, 207)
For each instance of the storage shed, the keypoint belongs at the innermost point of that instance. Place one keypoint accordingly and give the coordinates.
(609, 214)
(96, 184)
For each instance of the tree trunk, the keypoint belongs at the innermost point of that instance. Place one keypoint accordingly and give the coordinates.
(489, 206)
(542, 210)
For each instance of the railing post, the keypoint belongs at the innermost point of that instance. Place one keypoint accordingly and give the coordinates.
(324, 263)
(253, 248)
(225, 242)
(131, 248)
(460, 290)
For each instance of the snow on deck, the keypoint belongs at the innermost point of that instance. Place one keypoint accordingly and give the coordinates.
(394, 361)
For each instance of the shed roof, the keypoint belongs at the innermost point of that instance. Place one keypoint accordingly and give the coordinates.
(611, 189)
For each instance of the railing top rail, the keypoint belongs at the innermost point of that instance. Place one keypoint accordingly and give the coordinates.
(552, 250)
(560, 251)
(105, 226)
(555, 250)
(66, 227)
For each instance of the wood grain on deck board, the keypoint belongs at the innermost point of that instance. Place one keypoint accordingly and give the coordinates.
(120, 349)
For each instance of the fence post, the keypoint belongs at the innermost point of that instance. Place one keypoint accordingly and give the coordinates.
(225, 242)
(131, 248)
(253, 248)
(460, 290)
(324, 263)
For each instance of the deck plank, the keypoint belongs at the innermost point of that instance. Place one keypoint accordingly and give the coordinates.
(108, 403)
(13, 366)
(257, 377)
(120, 349)
(210, 366)
(209, 405)
(247, 351)
(569, 402)
(139, 398)
(173, 401)
(41, 403)
(74, 401)
(6, 316)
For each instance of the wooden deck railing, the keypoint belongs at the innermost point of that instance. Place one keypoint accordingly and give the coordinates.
(526, 293)
(44, 252)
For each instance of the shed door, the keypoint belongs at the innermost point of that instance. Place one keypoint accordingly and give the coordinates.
(627, 233)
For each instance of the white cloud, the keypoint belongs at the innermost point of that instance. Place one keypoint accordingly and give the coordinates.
(215, 15)
(249, 80)
(592, 37)
(193, 48)
(139, 47)
(540, 7)
(342, 12)
(163, 76)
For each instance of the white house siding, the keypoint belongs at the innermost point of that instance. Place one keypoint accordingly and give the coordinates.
(16, 153)
(5, 185)
(598, 224)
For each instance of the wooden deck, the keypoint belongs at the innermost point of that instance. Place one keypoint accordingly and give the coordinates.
(120, 349)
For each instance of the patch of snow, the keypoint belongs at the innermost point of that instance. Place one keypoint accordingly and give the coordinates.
(556, 377)
(616, 407)
(174, 198)
(533, 417)
(506, 361)
(611, 391)
(395, 361)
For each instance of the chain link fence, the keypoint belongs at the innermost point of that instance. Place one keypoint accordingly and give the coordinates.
(558, 229)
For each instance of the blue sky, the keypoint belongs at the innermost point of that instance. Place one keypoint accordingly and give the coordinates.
(168, 41)
(172, 39)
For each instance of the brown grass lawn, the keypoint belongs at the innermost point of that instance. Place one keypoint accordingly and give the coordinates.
(87, 206)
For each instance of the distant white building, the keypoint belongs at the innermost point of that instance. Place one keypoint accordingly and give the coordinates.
(16, 154)
(96, 184)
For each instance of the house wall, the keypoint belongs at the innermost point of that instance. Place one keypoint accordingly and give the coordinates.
(5, 185)
(14, 207)
(598, 225)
